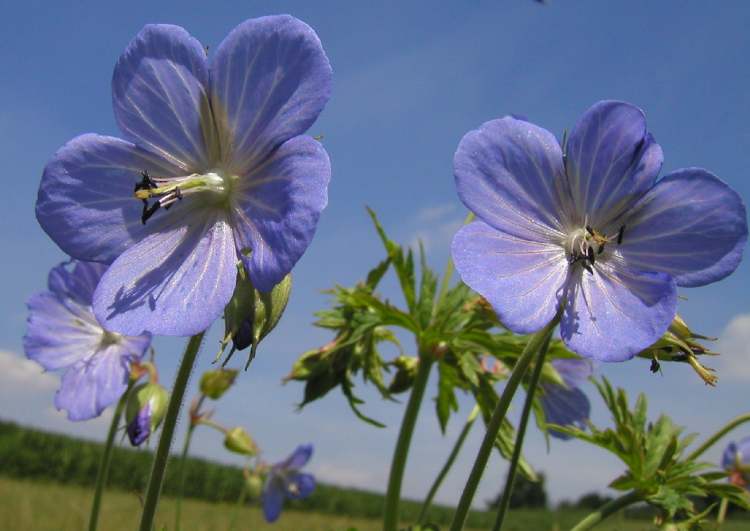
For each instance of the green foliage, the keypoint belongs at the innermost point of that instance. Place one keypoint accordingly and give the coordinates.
(653, 455)
(526, 494)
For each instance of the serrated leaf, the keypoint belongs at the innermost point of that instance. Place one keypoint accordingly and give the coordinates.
(376, 274)
(470, 367)
(446, 402)
(427, 289)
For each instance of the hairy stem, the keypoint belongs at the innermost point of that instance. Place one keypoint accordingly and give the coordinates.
(156, 479)
(528, 404)
(103, 472)
(732, 424)
(537, 342)
(448, 464)
(393, 495)
(606, 510)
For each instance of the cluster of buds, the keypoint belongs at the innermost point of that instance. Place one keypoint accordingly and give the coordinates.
(679, 343)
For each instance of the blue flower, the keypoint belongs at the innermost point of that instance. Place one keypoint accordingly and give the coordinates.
(736, 461)
(286, 481)
(590, 227)
(568, 405)
(63, 333)
(213, 167)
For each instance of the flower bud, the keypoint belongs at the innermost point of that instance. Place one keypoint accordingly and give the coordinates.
(147, 405)
(215, 383)
(254, 484)
(251, 315)
(406, 371)
(237, 440)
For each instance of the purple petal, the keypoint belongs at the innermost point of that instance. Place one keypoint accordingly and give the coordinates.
(521, 279)
(573, 371)
(506, 173)
(610, 160)
(139, 428)
(277, 209)
(91, 385)
(690, 225)
(566, 407)
(159, 96)
(78, 284)
(175, 282)
(304, 485)
(58, 334)
(298, 458)
(86, 203)
(272, 499)
(270, 79)
(613, 314)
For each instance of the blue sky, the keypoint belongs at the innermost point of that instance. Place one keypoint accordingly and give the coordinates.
(409, 80)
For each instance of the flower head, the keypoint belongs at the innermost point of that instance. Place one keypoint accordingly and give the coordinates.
(736, 461)
(589, 227)
(213, 168)
(567, 405)
(286, 481)
(147, 405)
(62, 333)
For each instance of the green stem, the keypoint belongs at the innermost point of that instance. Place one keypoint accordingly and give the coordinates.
(181, 491)
(103, 472)
(732, 424)
(528, 404)
(393, 495)
(537, 342)
(722, 512)
(606, 510)
(153, 491)
(448, 464)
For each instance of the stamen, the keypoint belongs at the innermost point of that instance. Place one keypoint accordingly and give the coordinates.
(620, 234)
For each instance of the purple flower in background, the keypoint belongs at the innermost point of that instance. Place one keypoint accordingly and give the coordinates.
(286, 481)
(63, 333)
(736, 461)
(568, 405)
(590, 227)
(213, 168)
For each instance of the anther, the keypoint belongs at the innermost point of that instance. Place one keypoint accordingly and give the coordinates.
(620, 234)
(590, 255)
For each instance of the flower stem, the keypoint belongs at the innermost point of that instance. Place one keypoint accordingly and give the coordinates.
(448, 464)
(161, 457)
(606, 510)
(528, 404)
(537, 342)
(732, 424)
(722, 512)
(181, 491)
(103, 472)
(393, 495)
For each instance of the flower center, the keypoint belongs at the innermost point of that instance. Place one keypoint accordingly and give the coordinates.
(213, 187)
(584, 244)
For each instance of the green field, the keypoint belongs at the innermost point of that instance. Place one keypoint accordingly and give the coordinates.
(37, 506)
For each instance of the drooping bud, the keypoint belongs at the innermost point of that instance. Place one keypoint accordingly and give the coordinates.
(147, 405)
(237, 440)
(254, 484)
(215, 383)
(406, 372)
(679, 344)
(251, 315)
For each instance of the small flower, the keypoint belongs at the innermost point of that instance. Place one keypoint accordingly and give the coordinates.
(567, 405)
(736, 461)
(63, 333)
(213, 168)
(286, 481)
(589, 227)
(147, 405)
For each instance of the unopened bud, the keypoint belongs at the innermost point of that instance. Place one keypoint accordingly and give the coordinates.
(215, 383)
(237, 440)
(254, 484)
(406, 372)
(147, 405)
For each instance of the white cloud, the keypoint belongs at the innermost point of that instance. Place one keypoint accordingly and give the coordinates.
(20, 374)
(734, 346)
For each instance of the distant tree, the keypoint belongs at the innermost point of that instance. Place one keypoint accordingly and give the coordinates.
(526, 493)
(591, 501)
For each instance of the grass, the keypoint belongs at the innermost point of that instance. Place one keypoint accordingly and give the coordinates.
(37, 506)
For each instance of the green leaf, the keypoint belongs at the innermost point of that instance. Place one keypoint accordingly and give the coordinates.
(427, 290)
(470, 367)
(446, 397)
(376, 274)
